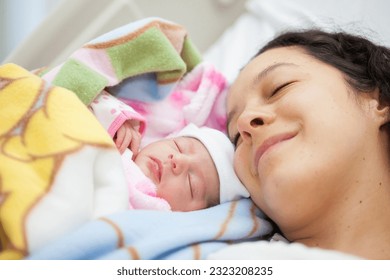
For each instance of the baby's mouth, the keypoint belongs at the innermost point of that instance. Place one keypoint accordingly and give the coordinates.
(156, 168)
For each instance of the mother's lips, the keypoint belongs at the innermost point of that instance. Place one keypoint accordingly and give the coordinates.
(268, 143)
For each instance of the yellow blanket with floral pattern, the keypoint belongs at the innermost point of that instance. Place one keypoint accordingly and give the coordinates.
(58, 166)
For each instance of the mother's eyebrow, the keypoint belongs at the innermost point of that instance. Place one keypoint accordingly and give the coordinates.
(265, 72)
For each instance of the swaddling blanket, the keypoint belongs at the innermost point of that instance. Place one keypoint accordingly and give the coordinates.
(153, 66)
(58, 166)
(146, 234)
(149, 46)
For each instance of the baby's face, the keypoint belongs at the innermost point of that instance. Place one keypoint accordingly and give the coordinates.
(183, 171)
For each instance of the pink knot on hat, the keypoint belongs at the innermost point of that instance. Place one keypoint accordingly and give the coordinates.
(221, 151)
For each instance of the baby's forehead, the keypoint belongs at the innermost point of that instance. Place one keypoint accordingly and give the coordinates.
(191, 141)
(184, 140)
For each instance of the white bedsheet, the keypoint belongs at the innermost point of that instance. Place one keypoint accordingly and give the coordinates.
(277, 250)
(264, 19)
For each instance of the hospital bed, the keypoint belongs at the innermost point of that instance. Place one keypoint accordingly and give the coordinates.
(227, 34)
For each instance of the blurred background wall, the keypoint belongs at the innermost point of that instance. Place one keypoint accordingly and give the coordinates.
(18, 18)
(37, 33)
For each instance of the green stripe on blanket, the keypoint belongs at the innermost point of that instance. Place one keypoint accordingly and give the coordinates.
(151, 45)
(149, 52)
(79, 78)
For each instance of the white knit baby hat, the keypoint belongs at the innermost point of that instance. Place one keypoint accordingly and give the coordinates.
(221, 151)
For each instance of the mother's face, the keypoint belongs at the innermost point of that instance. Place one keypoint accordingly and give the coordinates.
(300, 133)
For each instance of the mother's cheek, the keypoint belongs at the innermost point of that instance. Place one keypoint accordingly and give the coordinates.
(242, 167)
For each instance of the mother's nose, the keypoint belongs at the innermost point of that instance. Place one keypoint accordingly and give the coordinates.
(250, 121)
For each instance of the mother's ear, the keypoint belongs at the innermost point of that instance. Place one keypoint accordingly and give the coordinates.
(380, 112)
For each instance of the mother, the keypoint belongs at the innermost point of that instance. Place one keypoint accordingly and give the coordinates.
(309, 116)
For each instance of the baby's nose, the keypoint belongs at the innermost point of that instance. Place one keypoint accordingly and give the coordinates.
(179, 163)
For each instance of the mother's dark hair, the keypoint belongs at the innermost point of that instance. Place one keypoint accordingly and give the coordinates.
(366, 66)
